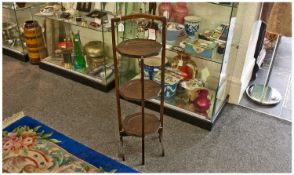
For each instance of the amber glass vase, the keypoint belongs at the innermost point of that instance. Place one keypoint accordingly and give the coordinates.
(34, 41)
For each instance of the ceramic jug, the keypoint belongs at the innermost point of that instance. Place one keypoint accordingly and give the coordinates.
(202, 102)
(180, 10)
(165, 9)
(34, 41)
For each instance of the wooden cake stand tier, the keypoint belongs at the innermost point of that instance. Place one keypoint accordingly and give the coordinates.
(138, 48)
(132, 124)
(131, 90)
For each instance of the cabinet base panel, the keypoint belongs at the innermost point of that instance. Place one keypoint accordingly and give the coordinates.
(208, 125)
(16, 55)
(77, 78)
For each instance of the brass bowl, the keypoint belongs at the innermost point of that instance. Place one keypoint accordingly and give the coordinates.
(95, 62)
(94, 49)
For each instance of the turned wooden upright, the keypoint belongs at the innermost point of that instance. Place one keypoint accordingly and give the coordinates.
(139, 124)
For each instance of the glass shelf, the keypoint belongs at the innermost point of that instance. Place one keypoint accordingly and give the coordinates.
(71, 21)
(217, 58)
(13, 47)
(58, 62)
(13, 20)
(17, 49)
(181, 102)
(98, 72)
(225, 4)
(10, 6)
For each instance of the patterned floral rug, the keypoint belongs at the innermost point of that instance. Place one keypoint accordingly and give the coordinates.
(30, 146)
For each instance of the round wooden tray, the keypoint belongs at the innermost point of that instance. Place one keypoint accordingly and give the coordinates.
(131, 90)
(138, 48)
(132, 124)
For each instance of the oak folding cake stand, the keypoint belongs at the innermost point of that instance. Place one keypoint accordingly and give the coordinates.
(139, 124)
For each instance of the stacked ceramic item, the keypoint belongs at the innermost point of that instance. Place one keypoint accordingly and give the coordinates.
(192, 24)
(173, 31)
(180, 11)
(170, 85)
(188, 68)
(34, 41)
(95, 54)
(152, 65)
(202, 102)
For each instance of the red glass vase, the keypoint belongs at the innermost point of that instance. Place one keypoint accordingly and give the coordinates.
(202, 103)
(180, 10)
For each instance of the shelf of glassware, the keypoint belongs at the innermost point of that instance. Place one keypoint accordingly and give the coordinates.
(13, 40)
(102, 78)
(83, 24)
(15, 53)
(217, 58)
(226, 4)
(181, 100)
(99, 78)
(26, 6)
(15, 48)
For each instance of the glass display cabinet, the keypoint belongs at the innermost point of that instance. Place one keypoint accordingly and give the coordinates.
(13, 19)
(198, 45)
(78, 42)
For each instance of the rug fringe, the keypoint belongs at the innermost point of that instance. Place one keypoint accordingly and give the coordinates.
(12, 119)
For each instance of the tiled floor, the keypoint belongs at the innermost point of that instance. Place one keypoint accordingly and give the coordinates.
(281, 79)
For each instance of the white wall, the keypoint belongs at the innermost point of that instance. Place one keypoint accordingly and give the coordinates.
(242, 51)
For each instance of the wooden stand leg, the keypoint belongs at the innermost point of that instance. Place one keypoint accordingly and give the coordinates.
(160, 140)
(142, 105)
(122, 153)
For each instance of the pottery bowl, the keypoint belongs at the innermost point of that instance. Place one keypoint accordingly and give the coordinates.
(173, 30)
(152, 65)
(170, 84)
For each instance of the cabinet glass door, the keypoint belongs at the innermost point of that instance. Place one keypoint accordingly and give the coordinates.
(197, 64)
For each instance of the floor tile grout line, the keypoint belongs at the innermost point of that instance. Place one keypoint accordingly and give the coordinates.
(275, 71)
(287, 90)
(271, 115)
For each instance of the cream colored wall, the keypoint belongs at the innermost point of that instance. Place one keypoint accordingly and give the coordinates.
(242, 50)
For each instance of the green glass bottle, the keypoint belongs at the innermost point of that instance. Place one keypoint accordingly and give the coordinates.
(79, 60)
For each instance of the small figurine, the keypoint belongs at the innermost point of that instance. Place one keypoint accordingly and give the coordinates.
(152, 8)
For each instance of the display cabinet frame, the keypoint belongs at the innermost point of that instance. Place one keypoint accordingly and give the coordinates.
(103, 84)
(220, 95)
(14, 14)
